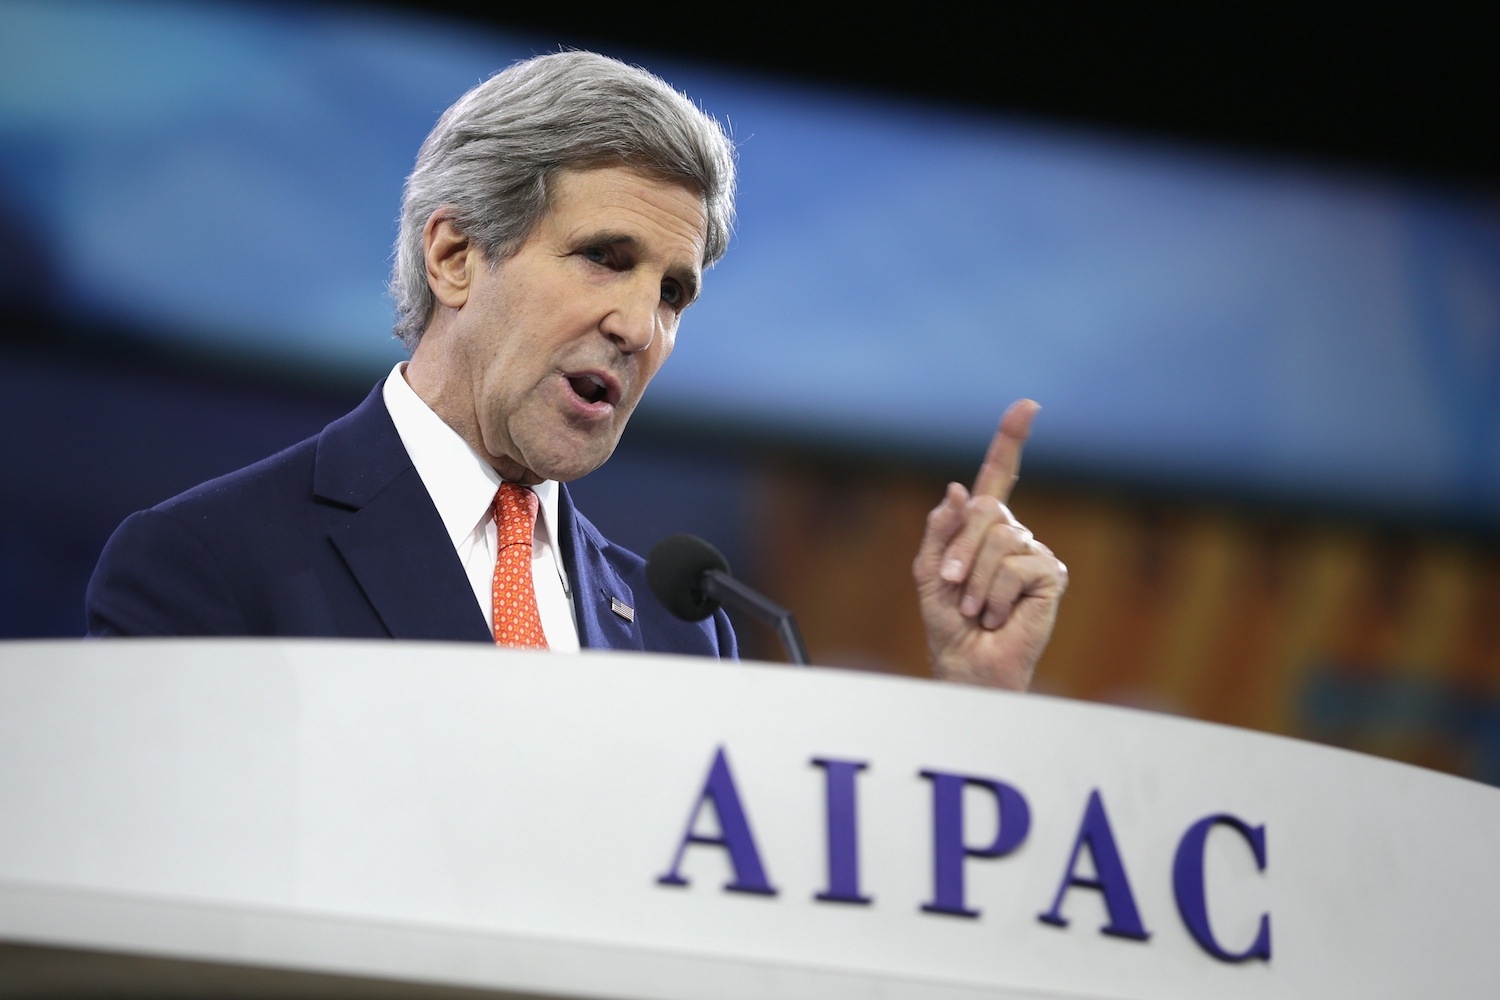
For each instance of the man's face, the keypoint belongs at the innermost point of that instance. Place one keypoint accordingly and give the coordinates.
(555, 345)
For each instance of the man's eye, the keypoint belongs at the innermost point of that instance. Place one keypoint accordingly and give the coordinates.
(597, 255)
(671, 293)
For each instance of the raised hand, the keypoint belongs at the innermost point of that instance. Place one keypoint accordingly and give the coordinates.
(988, 589)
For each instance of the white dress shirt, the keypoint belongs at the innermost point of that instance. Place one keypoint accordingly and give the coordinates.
(462, 486)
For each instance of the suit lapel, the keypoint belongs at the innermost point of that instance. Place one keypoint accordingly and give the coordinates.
(392, 539)
(595, 583)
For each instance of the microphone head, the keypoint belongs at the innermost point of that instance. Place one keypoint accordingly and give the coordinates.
(675, 571)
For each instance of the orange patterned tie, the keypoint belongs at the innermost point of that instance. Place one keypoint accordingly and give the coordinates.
(516, 620)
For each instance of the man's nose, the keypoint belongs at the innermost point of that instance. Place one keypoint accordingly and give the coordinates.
(632, 319)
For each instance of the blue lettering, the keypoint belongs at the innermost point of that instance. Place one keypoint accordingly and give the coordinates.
(948, 848)
(734, 833)
(843, 832)
(1192, 897)
(1109, 876)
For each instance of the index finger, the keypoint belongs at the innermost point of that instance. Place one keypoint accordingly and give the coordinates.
(1002, 463)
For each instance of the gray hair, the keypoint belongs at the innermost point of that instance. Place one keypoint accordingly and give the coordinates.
(491, 155)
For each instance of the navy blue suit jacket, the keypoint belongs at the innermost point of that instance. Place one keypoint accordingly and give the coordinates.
(336, 536)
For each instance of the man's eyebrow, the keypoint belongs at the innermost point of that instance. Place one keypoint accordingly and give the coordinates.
(609, 239)
(691, 286)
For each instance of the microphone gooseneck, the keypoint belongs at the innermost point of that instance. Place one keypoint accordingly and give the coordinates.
(691, 579)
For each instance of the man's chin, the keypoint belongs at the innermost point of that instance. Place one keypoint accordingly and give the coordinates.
(564, 466)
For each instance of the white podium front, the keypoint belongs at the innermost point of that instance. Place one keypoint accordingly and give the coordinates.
(306, 818)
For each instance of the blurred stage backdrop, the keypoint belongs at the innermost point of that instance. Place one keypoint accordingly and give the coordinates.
(1270, 444)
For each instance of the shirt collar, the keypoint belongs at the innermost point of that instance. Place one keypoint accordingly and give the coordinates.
(461, 483)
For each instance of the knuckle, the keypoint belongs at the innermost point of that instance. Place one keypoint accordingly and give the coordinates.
(987, 506)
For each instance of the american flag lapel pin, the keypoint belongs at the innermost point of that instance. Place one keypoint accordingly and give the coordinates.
(622, 609)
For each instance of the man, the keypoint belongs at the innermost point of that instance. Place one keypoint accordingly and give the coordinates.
(554, 229)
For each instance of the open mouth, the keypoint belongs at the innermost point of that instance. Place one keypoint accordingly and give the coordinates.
(590, 388)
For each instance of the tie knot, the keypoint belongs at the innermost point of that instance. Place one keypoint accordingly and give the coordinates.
(515, 514)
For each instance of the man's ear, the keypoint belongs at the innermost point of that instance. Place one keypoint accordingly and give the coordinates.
(450, 258)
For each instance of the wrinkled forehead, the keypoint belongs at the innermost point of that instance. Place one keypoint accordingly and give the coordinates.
(666, 220)
(648, 180)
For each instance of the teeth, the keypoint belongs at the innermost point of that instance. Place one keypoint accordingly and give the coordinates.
(591, 387)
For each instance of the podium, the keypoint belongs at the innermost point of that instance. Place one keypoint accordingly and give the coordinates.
(330, 818)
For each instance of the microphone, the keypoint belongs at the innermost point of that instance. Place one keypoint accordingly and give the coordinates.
(691, 579)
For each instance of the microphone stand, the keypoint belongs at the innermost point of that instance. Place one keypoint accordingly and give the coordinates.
(725, 589)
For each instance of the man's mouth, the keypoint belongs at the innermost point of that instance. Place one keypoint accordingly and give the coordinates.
(592, 388)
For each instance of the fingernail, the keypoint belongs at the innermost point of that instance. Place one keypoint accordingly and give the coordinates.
(991, 621)
(952, 571)
(969, 606)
